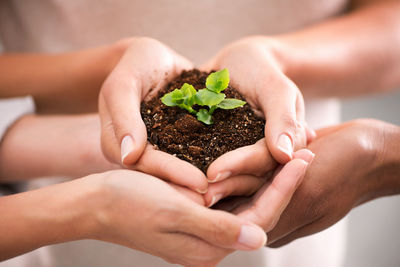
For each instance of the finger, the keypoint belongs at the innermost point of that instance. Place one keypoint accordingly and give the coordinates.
(272, 199)
(121, 98)
(222, 229)
(145, 68)
(284, 131)
(254, 160)
(242, 185)
(190, 251)
(172, 169)
(286, 223)
(196, 197)
(305, 155)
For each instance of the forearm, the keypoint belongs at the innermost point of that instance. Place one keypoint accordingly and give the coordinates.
(352, 54)
(50, 215)
(39, 146)
(67, 82)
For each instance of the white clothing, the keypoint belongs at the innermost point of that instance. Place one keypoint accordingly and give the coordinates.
(197, 29)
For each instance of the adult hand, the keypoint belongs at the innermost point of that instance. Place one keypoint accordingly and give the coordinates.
(145, 213)
(267, 205)
(351, 167)
(144, 69)
(127, 208)
(257, 74)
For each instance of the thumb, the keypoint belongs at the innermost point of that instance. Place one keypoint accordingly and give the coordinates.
(285, 129)
(124, 134)
(223, 229)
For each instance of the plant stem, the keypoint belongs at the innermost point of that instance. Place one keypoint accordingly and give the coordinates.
(212, 109)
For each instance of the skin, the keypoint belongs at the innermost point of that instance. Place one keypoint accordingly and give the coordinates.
(173, 222)
(59, 83)
(95, 207)
(71, 83)
(367, 153)
(342, 64)
(146, 67)
(36, 142)
(356, 64)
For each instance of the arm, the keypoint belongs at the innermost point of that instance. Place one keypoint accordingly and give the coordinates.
(353, 54)
(65, 82)
(354, 163)
(29, 220)
(101, 206)
(356, 53)
(41, 146)
(71, 82)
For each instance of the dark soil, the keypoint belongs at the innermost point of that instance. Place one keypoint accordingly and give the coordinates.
(179, 133)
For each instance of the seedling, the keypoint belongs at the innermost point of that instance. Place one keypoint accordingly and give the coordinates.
(187, 96)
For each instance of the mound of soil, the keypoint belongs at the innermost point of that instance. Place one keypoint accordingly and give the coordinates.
(179, 133)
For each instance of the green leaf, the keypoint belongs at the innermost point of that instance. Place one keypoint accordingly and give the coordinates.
(170, 99)
(231, 103)
(188, 93)
(218, 81)
(176, 95)
(204, 116)
(205, 97)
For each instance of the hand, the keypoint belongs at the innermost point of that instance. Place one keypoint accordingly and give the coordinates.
(145, 68)
(266, 206)
(145, 213)
(256, 73)
(348, 170)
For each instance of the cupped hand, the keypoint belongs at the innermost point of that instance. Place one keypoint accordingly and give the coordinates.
(267, 205)
(257, 74)
(145, 68)
(342, 176)
(145, 213)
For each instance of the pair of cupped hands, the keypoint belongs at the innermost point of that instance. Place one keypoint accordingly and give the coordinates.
(169, 197)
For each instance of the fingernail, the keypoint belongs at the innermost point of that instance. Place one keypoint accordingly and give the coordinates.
(215, 199)
(126, 147)
(221, 176)
(285, 145)
(310, 157)
(202, 191)
(252, 237)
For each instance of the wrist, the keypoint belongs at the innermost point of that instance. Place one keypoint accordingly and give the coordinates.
(388, 170)
(381, 171)
(50, 215)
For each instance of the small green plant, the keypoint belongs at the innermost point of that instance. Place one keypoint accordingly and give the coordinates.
(187, 96)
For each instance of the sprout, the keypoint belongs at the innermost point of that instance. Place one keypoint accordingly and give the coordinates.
(187, 96)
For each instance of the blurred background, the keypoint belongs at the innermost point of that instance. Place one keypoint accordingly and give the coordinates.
(374, 234)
